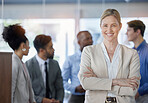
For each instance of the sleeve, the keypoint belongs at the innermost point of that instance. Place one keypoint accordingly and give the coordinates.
(59, 85)
(91, 83)
(33, 96)
(134, 71)
(15, 70)
(38, 99)
(66, 74)
(31, 92)
(95, 83)
(143, 89)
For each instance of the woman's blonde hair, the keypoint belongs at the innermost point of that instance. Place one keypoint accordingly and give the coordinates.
(111, 12)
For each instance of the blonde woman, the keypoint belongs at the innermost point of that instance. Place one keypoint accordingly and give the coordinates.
(109, 71)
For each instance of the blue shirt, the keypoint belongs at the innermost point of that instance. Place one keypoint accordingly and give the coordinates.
(142, 50)
(70, 71)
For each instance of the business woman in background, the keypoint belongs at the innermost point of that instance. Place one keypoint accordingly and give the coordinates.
(109, 72)
(21, 85)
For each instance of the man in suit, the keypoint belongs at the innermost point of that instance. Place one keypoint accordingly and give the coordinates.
(45, 73)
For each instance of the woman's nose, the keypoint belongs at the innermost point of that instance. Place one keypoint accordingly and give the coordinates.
(109, 30)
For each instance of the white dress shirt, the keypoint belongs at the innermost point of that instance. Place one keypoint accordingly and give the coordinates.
(42, 67)
(111, 66)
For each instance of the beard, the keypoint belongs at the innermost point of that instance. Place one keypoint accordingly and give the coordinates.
(49, 56)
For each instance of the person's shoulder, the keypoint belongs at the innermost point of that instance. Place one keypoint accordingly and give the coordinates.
(54, 64)
(93, 47)
(53, 61)
(145, 50)
(146, 46)
(30, 61)
(15, 61)
(127, 49)
(73, 56)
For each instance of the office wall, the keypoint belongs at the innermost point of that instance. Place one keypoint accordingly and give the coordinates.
(20, 11)
(5, 77)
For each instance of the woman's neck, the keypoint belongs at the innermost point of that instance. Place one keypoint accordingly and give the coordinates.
(19, 54)
(110, 46)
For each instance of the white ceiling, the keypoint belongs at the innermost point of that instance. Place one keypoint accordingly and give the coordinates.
(66, 1)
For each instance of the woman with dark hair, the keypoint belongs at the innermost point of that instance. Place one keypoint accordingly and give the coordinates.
(21, 85)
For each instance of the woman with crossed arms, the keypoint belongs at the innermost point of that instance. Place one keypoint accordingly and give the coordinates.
(109, 71)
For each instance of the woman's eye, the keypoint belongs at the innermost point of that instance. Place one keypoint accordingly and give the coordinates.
(113, 25)
(105, 25)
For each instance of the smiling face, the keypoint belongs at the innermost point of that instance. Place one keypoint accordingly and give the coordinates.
(110, 28)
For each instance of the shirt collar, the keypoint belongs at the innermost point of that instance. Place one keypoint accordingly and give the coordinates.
(41, 61)
(140, 46)
(104, 49)
(79, 52)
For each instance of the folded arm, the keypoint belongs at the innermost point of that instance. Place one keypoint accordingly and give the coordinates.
(120, 86)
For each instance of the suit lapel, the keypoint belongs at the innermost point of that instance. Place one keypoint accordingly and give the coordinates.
(120, 62)
(25, 71)
(102, 58)
(119, 65)
(38, 71)
(21, 65)
(50, 71)
(50, 74)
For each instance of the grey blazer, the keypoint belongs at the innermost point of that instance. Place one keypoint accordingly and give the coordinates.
(21, 84)
(55, 80)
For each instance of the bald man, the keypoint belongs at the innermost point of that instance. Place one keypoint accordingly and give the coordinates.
(71, 68)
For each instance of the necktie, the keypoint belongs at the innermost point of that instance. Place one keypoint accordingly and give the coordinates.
(47, 82)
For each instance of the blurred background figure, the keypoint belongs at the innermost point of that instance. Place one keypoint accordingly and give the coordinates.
(45, 73)
(71, 68)
(135, 33)
(21, 84)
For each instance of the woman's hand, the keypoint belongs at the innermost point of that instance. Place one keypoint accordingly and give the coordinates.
(90, 73)
(130, 82)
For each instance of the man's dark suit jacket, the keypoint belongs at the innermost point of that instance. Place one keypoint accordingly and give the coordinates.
(55, 80)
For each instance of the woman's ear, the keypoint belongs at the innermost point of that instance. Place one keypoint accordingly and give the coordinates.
(23, 46)
(120, 26)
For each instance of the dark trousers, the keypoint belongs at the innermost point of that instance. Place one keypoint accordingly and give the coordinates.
(110, 102)
(142, 99)
(76, 99)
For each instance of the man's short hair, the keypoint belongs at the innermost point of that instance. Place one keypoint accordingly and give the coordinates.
(137, 24)
(41, 41)
(81, 33)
